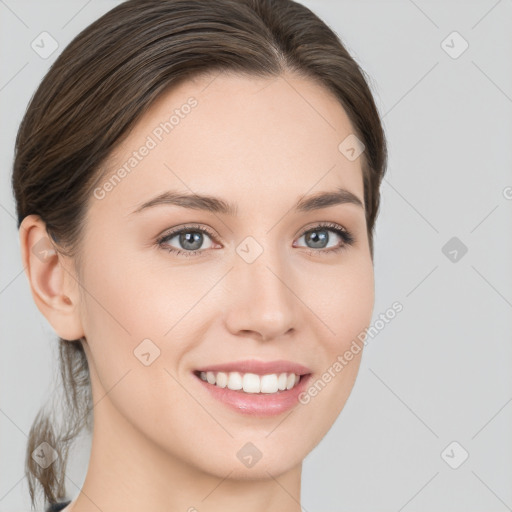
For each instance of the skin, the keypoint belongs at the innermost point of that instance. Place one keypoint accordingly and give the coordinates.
(159, 441)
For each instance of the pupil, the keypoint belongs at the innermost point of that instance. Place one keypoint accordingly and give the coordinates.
(318, 241)
(185, 238)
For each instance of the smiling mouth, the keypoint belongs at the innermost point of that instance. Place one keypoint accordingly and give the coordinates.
(252, 383)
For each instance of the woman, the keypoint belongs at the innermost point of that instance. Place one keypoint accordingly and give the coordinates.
(197, 185)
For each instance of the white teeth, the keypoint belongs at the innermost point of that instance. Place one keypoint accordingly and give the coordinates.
(234, 381)
(281, 381)
(251, 382)
(222, 379)
(269, 383)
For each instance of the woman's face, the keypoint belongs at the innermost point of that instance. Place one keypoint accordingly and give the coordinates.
(258, 287)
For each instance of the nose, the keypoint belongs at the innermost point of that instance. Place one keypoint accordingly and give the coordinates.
(262, 302)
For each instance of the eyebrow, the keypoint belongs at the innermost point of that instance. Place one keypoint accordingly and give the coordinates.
(217, 205)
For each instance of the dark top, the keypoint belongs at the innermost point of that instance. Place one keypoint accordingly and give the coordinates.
(55, 507)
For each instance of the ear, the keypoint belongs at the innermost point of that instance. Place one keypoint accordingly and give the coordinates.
(52, 279)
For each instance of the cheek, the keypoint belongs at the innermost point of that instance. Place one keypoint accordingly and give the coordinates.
(127, 297)
(345, 309)
(128, 308)
(136, 308)
(343, 298)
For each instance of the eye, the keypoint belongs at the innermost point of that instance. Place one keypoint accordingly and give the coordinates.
(319, 238)
(190, 239)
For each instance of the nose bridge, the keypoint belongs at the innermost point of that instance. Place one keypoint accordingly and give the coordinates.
(262, 300)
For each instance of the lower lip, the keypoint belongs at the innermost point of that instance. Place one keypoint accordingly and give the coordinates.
(257, 404)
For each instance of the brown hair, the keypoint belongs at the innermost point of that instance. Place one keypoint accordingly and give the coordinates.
(106, 78)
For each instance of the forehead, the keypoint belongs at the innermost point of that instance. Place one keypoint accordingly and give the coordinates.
(247, 138)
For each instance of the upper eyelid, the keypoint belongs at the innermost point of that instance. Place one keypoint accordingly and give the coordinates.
(320, 224)
(173, 232)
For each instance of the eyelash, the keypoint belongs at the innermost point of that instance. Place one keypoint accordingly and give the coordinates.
(347, 239)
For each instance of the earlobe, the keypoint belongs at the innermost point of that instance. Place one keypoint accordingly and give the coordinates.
(54, 290)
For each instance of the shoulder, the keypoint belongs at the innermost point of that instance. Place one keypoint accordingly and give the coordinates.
(55, 507)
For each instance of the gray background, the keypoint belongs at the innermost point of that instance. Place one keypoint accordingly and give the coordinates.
(441, 370)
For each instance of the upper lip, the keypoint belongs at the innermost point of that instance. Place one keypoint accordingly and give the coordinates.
(258, 367)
